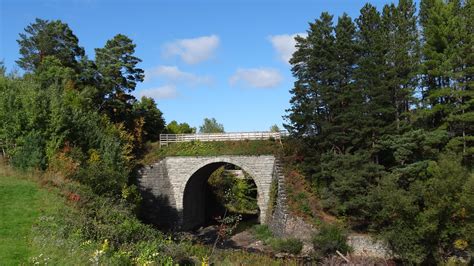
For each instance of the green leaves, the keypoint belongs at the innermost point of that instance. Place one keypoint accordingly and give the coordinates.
(182, 128)
(210, 125)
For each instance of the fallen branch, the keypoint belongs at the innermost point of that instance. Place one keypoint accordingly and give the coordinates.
(342, 256)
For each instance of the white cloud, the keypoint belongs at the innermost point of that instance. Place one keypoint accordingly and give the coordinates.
(174, 74)
(284, 45)
(193, 51)
(257, 77)
(164, 92)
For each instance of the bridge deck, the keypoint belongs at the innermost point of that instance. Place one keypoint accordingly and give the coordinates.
(165, 139)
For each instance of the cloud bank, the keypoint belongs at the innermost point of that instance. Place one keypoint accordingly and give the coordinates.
(193, 51)
(160, 93)
(256, 77)
(175, 75)
(284, 45)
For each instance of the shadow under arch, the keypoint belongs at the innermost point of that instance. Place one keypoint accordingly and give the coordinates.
(194, 198)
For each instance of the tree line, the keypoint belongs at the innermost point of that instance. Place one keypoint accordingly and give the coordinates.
(384, 105)
(78, 116)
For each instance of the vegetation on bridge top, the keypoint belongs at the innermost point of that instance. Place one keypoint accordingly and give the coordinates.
(213, 148)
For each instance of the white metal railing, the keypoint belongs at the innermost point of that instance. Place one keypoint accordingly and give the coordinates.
(165, 139)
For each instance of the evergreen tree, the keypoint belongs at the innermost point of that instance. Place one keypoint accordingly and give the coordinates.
(439, 36)
(461, 119)
(119, 76)
(447, 69)
(344, 129)
(313, 67)
(379, 111)
(402, 59)
(45, 38)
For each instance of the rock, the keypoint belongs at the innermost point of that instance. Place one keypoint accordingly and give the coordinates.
(367, 246)
(307, 249)
(281, 255)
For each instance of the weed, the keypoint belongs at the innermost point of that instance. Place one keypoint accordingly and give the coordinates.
(290, 245)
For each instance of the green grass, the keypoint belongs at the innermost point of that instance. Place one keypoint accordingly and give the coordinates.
(41, 224)
(21, 203)
(263, 233)
(213, 148)
(289, 245)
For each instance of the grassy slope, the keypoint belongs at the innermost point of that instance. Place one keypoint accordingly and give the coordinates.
(198, 148)
(21, 203)
(32, 228)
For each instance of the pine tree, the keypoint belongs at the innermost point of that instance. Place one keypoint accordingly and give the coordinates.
(313, 66)
(379, 112)
(461, 119)
(448, 70)
(48, 38)
(402, 59)
(343, 130)
(439, 36)
(119, 76)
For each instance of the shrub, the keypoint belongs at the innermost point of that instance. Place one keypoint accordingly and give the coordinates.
(290, 245)
(29, 154)
(329, 239)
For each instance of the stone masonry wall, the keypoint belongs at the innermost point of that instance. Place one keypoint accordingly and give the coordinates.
(163, 183)
(282, 223)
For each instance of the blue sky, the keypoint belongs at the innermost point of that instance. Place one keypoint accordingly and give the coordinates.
(221, 59)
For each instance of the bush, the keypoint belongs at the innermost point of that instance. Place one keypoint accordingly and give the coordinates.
(329, 239)
(29, 154)
(102, 217)
(290, 245)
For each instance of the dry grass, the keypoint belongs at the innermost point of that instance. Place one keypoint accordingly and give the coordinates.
(302, 200)
(356, 261)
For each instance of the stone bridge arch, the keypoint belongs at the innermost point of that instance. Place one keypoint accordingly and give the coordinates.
(172, 188)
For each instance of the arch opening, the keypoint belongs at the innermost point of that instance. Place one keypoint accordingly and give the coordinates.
(218, 190)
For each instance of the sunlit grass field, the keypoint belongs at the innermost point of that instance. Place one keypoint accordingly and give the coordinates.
(39, 226)
(19, 209)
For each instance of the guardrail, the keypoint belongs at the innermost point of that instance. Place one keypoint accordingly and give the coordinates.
(165, 139)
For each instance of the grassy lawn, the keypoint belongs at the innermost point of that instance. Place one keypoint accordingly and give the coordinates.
(21, 203)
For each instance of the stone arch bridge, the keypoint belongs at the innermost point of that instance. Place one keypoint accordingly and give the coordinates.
(173, 188)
